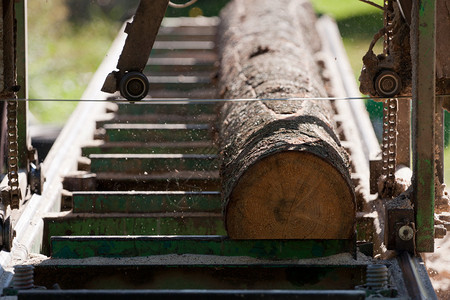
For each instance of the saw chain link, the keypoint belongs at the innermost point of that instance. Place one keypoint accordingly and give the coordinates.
(13, 153)
(390, 108)
(389, 146)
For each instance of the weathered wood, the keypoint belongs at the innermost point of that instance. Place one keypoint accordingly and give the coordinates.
(285, 174)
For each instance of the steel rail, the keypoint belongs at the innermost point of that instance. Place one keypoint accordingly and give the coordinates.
(416, 278)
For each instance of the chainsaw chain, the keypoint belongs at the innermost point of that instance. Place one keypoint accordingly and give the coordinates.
(390, 108)
(389, 147)
(13, 153)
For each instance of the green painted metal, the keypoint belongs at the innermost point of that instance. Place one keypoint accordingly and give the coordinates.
(132, 246)
(152, 163)
(157, 132)
(201, 147)
(158, 119)
(178, 108)
(423, 54)
(132, 224)
(146, 202)
(166, 181)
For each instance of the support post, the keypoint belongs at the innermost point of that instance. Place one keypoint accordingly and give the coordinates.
(404, 133)
(423, 55)
(24, 142)
(139, 43)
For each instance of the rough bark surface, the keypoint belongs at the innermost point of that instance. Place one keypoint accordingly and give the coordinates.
(285, 174)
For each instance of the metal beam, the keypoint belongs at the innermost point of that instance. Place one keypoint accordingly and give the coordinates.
(24, 142)
(191, 294)
(423, 54)
(157, 132)
(69, 247)
(146, 202)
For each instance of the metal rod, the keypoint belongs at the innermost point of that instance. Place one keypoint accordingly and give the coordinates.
(24, 142)
(423, 54)
(439, 140)
(404, 133)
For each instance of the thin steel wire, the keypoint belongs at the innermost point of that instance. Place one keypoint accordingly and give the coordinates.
(189, 100)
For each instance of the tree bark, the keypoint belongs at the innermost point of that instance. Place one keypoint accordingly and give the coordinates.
(285, 174)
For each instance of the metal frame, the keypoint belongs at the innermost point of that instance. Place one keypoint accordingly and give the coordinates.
(22, 81)
(134, 57)
(423, 54)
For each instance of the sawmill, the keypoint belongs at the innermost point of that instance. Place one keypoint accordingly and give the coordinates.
(232, 157)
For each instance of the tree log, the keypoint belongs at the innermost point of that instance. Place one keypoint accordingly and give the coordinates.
(285, 174)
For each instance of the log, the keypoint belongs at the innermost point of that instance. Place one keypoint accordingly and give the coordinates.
(284, 172)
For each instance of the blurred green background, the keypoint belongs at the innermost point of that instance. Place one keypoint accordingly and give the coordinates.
(69, 38)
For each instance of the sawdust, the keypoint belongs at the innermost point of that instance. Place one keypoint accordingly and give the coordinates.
(401, 184)
(438, 266)
(190, 259)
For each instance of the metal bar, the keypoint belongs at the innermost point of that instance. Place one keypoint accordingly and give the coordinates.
(158, 119)
(190, 295)
(439, 140)
(404, 133)
(146, 202)
(129, 224)
(153, 163)
(201, 147)
(146, 22)
(166, 181)
(132, 246)
(423, 54)
(157, 132)
(24, 142)
(177, 108)
(416, 277)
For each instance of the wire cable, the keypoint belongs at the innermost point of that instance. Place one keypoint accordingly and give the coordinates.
(193, 100)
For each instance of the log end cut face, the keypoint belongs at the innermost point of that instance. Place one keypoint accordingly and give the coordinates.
(291, 195)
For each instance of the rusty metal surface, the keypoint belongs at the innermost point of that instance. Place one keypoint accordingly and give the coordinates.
(416, 277)
(136, 51)
(423, 54)
(399, 225)
(404, 133)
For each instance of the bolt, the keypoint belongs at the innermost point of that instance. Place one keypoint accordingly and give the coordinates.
(23, 277)
(376, 276)
(406, 233)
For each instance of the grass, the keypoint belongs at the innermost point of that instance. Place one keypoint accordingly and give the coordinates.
(62, 57)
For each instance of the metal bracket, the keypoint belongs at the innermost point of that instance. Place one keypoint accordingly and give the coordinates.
(400, 229)
(129, 79)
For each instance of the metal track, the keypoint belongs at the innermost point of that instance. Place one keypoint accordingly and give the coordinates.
(146, 184)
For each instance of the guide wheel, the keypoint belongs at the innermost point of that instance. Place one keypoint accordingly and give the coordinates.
(134, 86)
(388, 84)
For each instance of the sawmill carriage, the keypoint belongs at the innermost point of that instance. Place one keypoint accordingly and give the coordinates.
(233, 158)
